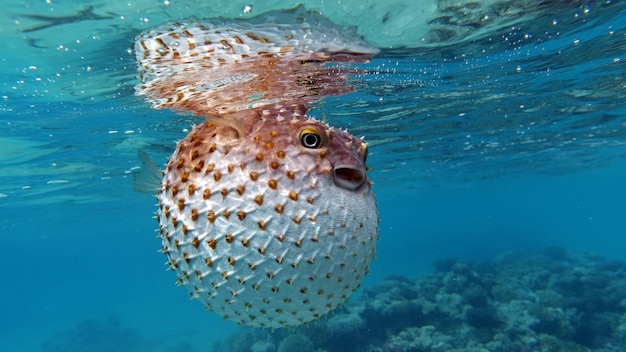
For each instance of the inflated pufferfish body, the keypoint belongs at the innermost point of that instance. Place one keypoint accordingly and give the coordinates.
(270, 225)
(266, 215)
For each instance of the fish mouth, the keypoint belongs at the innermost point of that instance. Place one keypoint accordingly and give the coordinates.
(349, 177)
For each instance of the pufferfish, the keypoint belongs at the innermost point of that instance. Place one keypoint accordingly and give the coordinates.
(266, 215)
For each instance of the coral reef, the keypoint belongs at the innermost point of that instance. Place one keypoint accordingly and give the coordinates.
(540, 301)
(95, 336)
(105, 336)
(296, 343)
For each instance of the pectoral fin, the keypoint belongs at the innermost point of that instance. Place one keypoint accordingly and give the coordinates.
(148, 178)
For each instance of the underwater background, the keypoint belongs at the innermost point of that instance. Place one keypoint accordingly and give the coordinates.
(497, 135)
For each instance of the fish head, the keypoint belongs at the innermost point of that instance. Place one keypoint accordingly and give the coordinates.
(329, 152)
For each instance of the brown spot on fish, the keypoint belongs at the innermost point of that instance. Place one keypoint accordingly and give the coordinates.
(253, 36)
(206, 194)
(226, 44)
(272, 183)
(279, 208)
(198, 167)
(229, 238)
(212, 243)
(258, 199)
(241, 189)
(211, 216)
(241, 215)
(237, 40)
(184, 177)
(254, 175)
(191, 189)
(166, 212)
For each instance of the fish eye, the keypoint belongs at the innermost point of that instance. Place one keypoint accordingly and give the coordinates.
(310, 138)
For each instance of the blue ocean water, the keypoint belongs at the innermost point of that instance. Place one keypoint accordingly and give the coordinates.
(509, 137)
